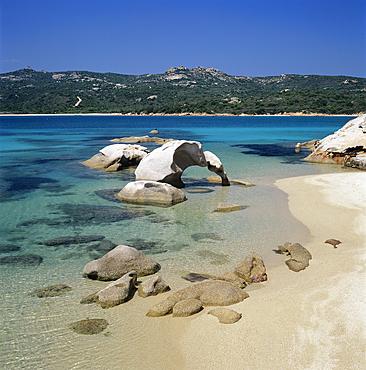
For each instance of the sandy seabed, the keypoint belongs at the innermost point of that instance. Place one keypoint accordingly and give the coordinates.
(313, 319)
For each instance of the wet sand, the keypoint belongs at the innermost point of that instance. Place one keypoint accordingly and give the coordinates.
(313, 319)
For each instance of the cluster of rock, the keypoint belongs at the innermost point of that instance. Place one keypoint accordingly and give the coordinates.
(124, 264)
(347, 146)
(158, 175)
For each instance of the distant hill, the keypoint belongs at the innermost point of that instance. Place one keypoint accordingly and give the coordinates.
(178, 91)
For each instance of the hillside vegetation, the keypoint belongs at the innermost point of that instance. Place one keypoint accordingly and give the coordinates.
(178, 91)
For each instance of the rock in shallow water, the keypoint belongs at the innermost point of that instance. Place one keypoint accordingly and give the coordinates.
(89, 326)
(151, 193)
(118, 262)
(79, 239)
(228, 207)
(51, 291)
(6, 248)
(24, 259)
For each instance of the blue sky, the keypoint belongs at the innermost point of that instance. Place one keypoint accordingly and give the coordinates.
(243, 38)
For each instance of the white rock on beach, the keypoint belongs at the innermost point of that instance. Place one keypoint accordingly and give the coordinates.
(346, 146)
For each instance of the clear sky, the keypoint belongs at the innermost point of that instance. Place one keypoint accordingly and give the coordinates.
(239, 37)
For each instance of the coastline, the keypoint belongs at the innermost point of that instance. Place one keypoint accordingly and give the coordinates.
(298, 114)
(312, 319)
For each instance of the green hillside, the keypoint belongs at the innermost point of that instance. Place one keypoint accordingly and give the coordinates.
(178, 90)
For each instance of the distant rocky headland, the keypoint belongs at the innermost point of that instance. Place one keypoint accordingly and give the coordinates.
(179, 91)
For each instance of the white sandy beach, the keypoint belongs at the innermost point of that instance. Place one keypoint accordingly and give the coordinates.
(313, 319)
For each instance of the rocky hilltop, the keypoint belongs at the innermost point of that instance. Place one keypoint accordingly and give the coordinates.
(179, 90)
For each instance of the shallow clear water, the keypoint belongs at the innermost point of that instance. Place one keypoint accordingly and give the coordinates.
(47, 193)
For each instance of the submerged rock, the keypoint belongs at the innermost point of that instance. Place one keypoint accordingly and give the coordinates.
(194, 278)
(24, 259)
(215, 258)
(243, 183)
(85, 214)
(198, 237)
(225, 315)
(7, 248)
(66, 240)
(300, 256)
(228, 207)
(118, 262)
(252, 269)
(151, 193)
(100, 249)
(51, 291)
(89, 299)
(89, 326)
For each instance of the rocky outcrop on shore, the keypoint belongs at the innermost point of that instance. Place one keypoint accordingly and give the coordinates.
(347, 146)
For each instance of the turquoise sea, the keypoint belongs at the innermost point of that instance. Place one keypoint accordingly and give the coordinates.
(47, 193)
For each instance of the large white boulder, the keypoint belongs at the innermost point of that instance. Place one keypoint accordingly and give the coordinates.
(114, 157)
(214, 164)
(151, 192)
(346, 146)
(167, 163)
